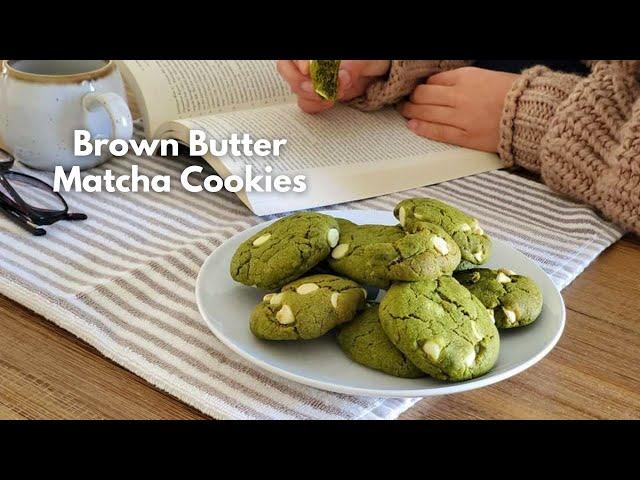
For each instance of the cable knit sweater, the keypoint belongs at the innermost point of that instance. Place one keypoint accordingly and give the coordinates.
(581, 134)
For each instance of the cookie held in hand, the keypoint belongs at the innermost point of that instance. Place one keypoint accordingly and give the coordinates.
(285, 250)
(364, 341)
(324, 75)
(513, 300)
(307, 308)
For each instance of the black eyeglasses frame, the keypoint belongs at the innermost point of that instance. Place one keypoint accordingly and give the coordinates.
(25, 215)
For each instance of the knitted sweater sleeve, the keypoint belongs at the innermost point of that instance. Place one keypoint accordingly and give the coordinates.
(581, 134)
(402, 78)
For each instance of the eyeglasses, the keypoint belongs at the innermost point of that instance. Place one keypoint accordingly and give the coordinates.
(28, 201)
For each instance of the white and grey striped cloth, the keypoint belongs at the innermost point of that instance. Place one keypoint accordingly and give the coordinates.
(124, 279)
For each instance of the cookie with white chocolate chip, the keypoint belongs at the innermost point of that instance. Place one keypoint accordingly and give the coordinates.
(475, 245)
(285, 250)
(513, 300)
(442, 329)
(380, 254)
(364, 341)
(307, 308)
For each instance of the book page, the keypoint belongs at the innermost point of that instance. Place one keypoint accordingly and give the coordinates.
(340, 136)
(177, 89)
(344, 153)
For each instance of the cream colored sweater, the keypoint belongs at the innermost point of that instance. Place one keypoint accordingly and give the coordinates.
(581, 134)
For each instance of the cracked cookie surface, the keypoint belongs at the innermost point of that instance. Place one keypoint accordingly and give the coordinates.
(307, 308)
(475, 245)
(441, 327)
(379, 254)
(515, 300)
(285, 250)
(364, 341)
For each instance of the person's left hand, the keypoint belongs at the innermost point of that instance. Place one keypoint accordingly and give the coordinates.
(462, 107)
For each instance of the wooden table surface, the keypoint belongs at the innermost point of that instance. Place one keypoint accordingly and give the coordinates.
(594, 371)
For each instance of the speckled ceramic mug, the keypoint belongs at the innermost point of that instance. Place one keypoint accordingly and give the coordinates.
(42, 103)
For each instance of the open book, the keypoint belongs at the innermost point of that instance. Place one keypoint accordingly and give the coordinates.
(345, 154)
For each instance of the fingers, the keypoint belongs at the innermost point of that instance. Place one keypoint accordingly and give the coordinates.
(313, 106)
(355, 88)
(430, 113)
(357, 75)
(434, 95)
(353, 78)
(303, 66)
(439, 132)
(290, 72)
(447, 78)
(300, 84)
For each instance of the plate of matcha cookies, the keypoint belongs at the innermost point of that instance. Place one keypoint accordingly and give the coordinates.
(415, 302)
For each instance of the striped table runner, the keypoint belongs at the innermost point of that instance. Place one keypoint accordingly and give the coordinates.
(123, 280)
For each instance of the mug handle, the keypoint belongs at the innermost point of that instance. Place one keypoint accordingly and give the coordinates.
(116, 107)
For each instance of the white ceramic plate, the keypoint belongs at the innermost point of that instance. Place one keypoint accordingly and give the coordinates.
(226, 306)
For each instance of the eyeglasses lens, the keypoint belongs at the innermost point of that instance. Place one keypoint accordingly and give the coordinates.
(33, 192)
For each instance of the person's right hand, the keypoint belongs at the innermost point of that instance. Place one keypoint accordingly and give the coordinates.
(354, 77)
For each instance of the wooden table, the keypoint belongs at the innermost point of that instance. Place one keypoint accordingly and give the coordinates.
(594, 371)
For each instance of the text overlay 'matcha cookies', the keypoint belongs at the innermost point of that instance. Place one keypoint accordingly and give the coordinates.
(199, 145)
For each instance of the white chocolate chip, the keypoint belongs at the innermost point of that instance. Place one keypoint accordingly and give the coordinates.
(432, 349)
(502, 278)
(492, 315)
(333, 235)
(440, 245)
(402, 216)
(506, 271)
(276, 299)
(261, 239)
(285, 315)
(307, 288)
(478, 256)
(470, 358)
(268, 297)
(417, 216)
(334, 299)
(476, 331)
(510, 315)
(340, 251)
(465, 227)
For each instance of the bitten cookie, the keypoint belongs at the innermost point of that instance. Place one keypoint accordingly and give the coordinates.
(285, 250)
(441, 328)
(324, 75)
(378, 254)
(364, 341)
(475, 246)
(513, 300)
(307, 308)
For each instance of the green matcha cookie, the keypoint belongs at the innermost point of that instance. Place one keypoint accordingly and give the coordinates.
(475, 246)
(441, 328)
(285, 250)
(324, 76)
(379, 254)
(364, 341)
(307, 308)
(513, 300)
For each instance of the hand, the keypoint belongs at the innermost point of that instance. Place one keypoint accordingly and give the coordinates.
(353, 79)
(462, 107)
